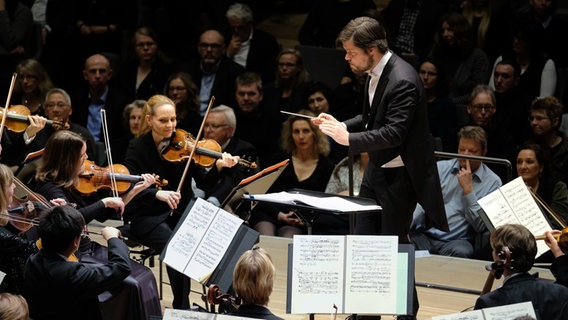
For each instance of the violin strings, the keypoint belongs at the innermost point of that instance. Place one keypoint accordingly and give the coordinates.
(107, 150)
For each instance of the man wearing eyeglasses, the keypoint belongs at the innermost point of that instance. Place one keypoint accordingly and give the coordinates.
(214, 73)
(482, 108)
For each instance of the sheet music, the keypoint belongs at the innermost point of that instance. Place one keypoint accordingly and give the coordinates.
(510, 311)
(332, 203)
(468, 315)
(2, 275)
(513, 203)
(202, 239)
(175, 314)
(317, 276)
(371, 265)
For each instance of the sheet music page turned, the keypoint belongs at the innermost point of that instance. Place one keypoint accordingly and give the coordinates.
(522, 310)
(331, 203)
(175, 314)
(513, 203)
(201, 241)
(356, 273)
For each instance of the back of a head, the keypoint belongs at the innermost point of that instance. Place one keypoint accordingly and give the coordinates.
(59, 227)
(253, 277)
(520, 242)
(13, 307)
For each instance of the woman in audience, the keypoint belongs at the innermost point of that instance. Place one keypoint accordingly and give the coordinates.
(185, 93)
(32, 85)
(131, 117)
(551, 190)
(253, 280)
(307, 148)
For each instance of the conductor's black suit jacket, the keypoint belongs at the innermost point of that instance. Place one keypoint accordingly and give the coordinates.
(397, 124)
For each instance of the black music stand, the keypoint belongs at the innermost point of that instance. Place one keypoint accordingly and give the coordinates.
(309, 214)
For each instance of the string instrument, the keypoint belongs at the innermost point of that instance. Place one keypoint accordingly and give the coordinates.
(496, 269)
(17, 119)
(3, 121)
(94, 177)
(23, 212)
(561, 238)
(205, 154)
(216, 297)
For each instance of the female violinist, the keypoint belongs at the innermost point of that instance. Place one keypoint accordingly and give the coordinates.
(61, 165)
(14, 249)
(151, 218)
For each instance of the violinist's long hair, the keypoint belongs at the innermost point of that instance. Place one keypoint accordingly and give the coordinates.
(60, 162)
(253, 277)
(150, 108)
(6, 180)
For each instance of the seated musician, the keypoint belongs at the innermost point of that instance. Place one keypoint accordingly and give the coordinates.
(58, 176)
(253, 280)
(13, 307)
(514, 250)
(155, 213)
(56, 287)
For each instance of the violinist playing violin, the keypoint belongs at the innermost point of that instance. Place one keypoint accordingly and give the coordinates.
(58, 109)
(550, 300)
(14, 249)
(155, 213)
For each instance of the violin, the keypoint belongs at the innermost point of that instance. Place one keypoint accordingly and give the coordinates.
(17, 119)
(94, 177)
(23, 212)
(206, 152)
(496, 268)
(561, 238)
(216, 296)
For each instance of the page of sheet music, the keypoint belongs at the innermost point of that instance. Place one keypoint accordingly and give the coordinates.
(331, 203)
(174, 314)
(201, 240)
(513, 203)
(467, 315)
(511, 311)
(370, 274)
(317, 275)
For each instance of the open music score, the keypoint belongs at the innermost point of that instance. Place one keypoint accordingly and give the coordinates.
(522, 310)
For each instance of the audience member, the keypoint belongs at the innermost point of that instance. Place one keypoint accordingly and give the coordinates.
(554, 193)
(252, 48)
(348, 97)
(99, 95)
(463, 182)
(154, 213)
(32, 85)
(441, 110)
(512, 103)
(214, 73)
(538, 72)
(73, 286)
(326, 19)
(545, 119)
(411, 25)
(465, 65)
(16, 25)
(490, 24)
(13, 307)
(287, 92)
(309, 169)
(14, 249)
(319, 98)
(554, 24)
(500, 141)
(185, 94)
(253, 280)
(339, 180)
(220, 126)
(131, 118)
(550, 300)
(146, 74)
(253, 117)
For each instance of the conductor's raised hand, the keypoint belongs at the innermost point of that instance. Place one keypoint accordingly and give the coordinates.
(333, 128)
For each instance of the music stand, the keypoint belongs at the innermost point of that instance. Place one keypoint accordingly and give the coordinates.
(309, 213)
(258, 183)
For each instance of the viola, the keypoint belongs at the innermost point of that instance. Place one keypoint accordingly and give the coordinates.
(94, 177)
(216, 296)
(25, 208)
(561, 238)
(206, 151)
(17, 119)
(496, 268)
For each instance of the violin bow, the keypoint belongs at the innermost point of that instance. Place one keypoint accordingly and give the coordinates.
(104, 124)
(195, 144)
(548, 209)
(5, 113)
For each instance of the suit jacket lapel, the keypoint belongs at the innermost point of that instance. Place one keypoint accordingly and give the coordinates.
(366, 106)
(383, 81)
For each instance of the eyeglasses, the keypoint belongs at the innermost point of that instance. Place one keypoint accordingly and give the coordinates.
(213, 46)
(51, 105)
(287, 65)
(214, 126)
(486, 107)
(537, 118)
